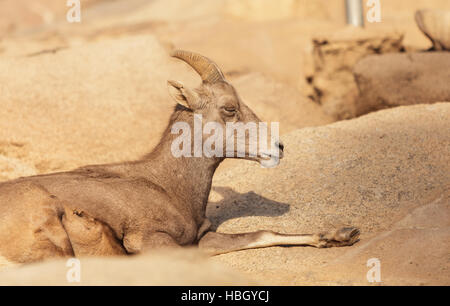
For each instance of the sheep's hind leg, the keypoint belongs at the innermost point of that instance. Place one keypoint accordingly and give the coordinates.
(89, 236)
(218, 243)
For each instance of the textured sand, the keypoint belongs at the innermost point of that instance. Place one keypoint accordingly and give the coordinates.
(161, 268)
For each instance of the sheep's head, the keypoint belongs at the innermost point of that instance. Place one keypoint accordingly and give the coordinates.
(229, 127)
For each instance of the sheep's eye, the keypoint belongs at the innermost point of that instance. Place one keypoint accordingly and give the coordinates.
(229, 111)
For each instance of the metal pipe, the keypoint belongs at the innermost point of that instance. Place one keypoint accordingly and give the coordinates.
(354, 10)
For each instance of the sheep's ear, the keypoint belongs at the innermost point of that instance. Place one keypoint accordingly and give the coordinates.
(184, 95)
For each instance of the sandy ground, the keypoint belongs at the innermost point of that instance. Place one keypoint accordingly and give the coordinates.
(95, 92)
(160, 268)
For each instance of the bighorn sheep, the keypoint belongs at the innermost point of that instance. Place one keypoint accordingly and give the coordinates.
(127, 208)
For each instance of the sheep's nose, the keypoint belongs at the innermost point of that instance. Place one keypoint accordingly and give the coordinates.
(280, 145)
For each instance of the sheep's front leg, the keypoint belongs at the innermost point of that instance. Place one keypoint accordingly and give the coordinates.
(218, 243)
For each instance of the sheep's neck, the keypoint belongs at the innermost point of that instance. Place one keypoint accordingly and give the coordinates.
(189, 179)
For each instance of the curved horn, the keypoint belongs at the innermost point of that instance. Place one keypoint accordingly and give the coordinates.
(206, 68)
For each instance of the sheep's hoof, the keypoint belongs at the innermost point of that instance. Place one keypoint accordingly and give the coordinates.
(345, 236)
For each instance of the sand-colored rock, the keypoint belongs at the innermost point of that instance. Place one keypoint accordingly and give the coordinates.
(263, 10)
(159, 268)
(386, 173)
(18, 15)
(391, 80)
(102, 102)
(330, 82)
(12, 161)
(398, 15)
(275, 101)
(435, 24)
(273, 48)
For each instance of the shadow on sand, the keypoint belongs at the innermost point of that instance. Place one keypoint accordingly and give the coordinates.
(236, 205)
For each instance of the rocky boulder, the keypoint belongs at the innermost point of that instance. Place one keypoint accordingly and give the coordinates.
(329, 73)
(86, 104)
(391, 80)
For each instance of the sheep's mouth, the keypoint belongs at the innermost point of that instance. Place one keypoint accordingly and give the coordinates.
(269, 160)
(266, 156)
(266, 159)
(269, 156)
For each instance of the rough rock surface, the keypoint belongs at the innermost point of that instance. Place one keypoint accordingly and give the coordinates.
(386, 173)
(16, 15)
(275, 101)
(57, 105)
(435, 25)
(263, 10)
(330, 78)
(391, 80)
